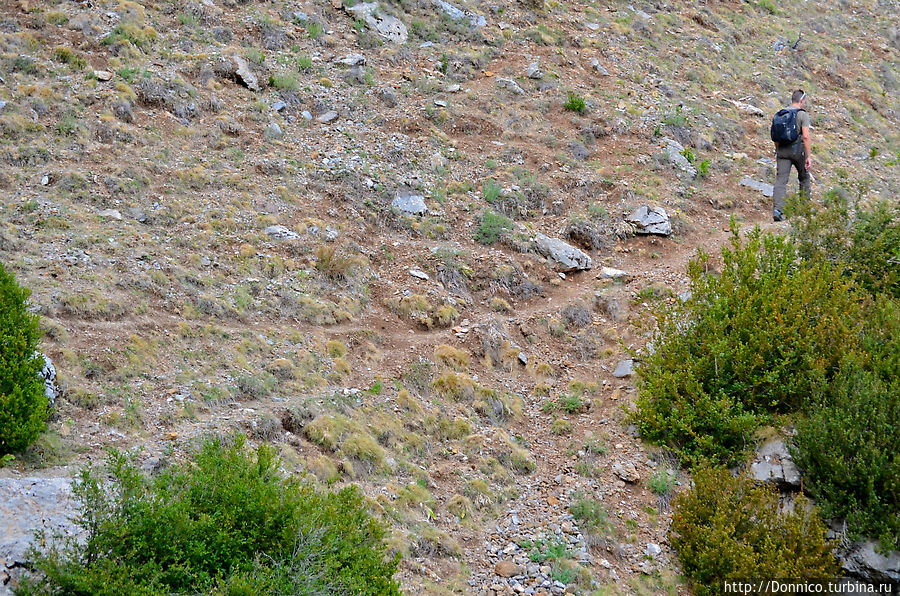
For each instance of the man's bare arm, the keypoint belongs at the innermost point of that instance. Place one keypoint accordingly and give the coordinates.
(807, 143)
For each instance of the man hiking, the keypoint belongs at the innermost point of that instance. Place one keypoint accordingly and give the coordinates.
(790, 133)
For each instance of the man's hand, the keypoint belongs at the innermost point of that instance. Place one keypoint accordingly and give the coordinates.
(808, 162)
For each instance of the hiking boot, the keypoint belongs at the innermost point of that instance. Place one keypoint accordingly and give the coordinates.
(777, 216)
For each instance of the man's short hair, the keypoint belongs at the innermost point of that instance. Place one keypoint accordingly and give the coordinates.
(797, 96)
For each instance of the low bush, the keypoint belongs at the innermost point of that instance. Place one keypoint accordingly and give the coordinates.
(849, 453)
(23, 405)
(227, 523)
(757, 339)
(491, 227)
(866, 241)
(727, 527)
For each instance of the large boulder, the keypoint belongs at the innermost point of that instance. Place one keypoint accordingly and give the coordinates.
(565, 257)
(27, 505)
(860, 560)
(650, 220)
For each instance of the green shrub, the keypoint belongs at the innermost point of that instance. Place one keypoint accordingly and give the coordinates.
(227, 523)
(575, 103)
(728, 528)
(491, 190)
(867, 244)
(849, 453)
(23, 405)
(757, 339)
(492, 227)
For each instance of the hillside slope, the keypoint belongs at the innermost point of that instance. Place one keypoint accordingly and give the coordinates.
(202, 196)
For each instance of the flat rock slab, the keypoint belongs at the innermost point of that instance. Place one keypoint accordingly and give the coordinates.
(565, 257)
(27, 505)
(410, 204)
(281, 233)
(612, 273)
(763, 187)
(650, 220)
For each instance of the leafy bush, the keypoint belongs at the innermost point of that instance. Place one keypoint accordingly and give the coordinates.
(492, 227)
(23, 405)
(727, 527)
(228, 523)
(867, 244)
(757, 339)
(849, 453)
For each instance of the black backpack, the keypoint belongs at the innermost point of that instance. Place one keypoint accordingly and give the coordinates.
(784, 126)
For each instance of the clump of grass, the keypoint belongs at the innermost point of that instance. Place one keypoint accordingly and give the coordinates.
(575, 103)
(70, 57)
(284, 82)
(452, 357)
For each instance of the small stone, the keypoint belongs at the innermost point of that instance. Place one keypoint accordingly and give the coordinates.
(765, 188)
(534, 71)
(278, 106)
(243, 73)
(612, 273)
(626, 472)
(653, 550)
(650, 220)
(510, 85)
(111, 214)
(419, 274)
(625, 368)
(103, 75)
(352, 60)
(328, 117)
(281, 233)
(507, 568)
(273, 131)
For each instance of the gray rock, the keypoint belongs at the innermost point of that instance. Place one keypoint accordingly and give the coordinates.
(352, 60)
(650, 220)
(675, 150)
(565, 256)
(27, 505)
(418, 274)
(273, 131)
(860, 560)
(388, 27)
(243, 73)
(612, 273)
(457, 15)
(763, 187)
(281, 233)
(48, 373)
(111, 214)
(626, 472)
(510, 85)
(653, 550)
(773, 463)
(278, 106)
(625, 368)
(534, 71)
(410, 204)
(328, 117)
(595, 64)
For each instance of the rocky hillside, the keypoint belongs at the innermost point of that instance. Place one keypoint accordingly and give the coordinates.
(412, 243)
